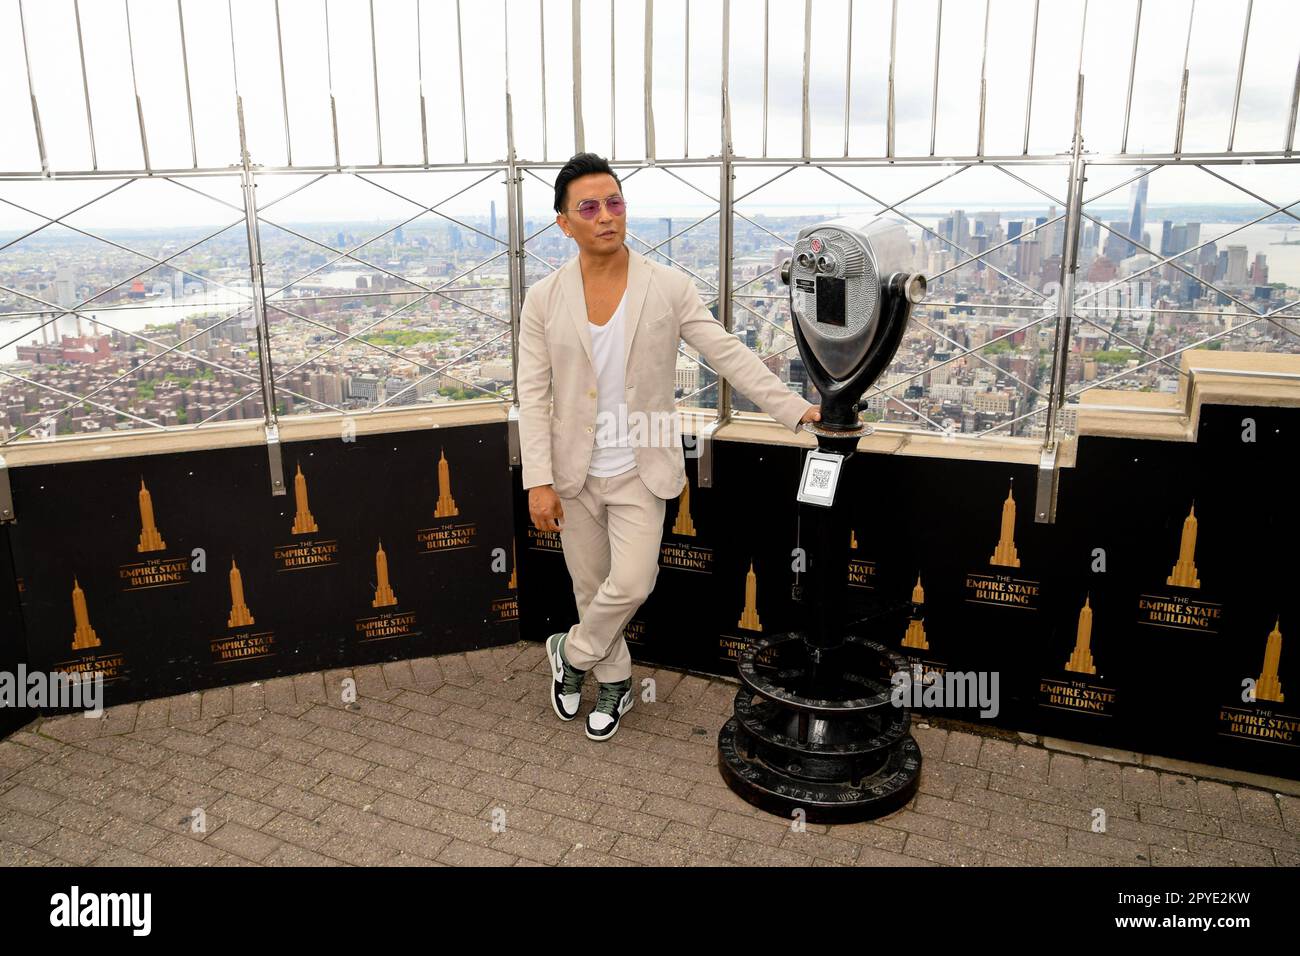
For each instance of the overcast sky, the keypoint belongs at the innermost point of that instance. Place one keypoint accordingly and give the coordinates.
(416, 50)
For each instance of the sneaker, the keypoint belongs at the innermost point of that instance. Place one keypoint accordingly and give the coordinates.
(566, 691)
(613, 701)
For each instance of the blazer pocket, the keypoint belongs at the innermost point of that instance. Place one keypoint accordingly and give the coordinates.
(659, 320)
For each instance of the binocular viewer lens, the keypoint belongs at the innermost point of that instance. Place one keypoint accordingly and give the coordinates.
(852, 284)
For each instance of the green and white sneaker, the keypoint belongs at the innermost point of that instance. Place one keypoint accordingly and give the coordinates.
(612, 702)
(566, 689)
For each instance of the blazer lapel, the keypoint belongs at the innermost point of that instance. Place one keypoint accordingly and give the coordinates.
(575, 301)
(638, 283)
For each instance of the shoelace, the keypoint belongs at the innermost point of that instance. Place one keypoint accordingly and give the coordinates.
(609, 696)
(572, 682)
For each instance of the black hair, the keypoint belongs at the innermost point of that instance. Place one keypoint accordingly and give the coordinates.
(581, 164)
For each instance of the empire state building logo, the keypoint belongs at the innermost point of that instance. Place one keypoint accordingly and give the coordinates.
(240, 616)
(303, 522)
(1183, 574)
(1269, 685)
(384, 596)
(1081, 658)
(684, 526)
(150, 538)
(1005, 553)
(83, 637)
(749, 616)
(446, 507)
(915, 634)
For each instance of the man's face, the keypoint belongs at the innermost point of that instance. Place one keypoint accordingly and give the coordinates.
(604, 233)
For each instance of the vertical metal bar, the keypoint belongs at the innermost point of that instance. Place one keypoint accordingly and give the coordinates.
(419, 67)
(1295, 106)
(807, 62)
(766, 35)
(85, 84)
(1045, 507)
(984, 84)
(541, 21)
(1083, 37)
(374, 66)
(1241, 70)
(139, 104)
(579, 137)
(31, 93)
(1182, 89)
(726, 224)
(234, 65)
(514, 255)
(934, 89)
(185, 68)
(329, 75)
(686, 86)
(649, 81)
(460, 61)
(889, 109)
(613, 81)
(725, 231)
(284, 89)
(848, 75)
(1132, 72)
(266, 372)
(726, 77)
(1029, 92)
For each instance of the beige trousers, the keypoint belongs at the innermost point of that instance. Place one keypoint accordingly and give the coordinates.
(610, 535)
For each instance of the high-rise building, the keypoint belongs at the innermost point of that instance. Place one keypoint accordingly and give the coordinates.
(492, 218)
(1137, 209)
(1237, 265)
(65, 288)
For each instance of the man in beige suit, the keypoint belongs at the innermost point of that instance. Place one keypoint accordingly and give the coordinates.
(598, 427)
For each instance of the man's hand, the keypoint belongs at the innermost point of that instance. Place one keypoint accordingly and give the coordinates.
(544, 508)
(814, 414)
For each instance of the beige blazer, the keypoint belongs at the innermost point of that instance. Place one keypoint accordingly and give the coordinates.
(557, 378)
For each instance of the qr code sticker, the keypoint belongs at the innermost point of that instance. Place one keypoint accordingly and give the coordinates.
(820, 479)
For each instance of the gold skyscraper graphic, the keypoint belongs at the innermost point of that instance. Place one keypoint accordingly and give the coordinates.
(303, 522)
(239, 613)
(853, 539)
(915, 636)
(150, 539)
(1005, 553)
(446, 507)
(749, 617)
(513, 583)
(84, 636)
(1269, 686)
(1081, 659)
(684, 525)
(384, 596)
(1184, 573)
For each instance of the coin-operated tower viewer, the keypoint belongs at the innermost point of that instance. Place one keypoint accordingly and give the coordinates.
(814, 727)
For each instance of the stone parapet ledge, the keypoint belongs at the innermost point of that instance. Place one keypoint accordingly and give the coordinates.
(1210, 377)
(885, 440)
(178, 440)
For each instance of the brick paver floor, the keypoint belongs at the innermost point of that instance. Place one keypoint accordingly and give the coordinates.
(436, 751)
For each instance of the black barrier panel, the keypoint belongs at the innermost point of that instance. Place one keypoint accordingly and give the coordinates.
(1153, 616)
(13, 644)
(171, 573)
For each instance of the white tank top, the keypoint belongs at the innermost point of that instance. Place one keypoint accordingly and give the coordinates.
(612, 454)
